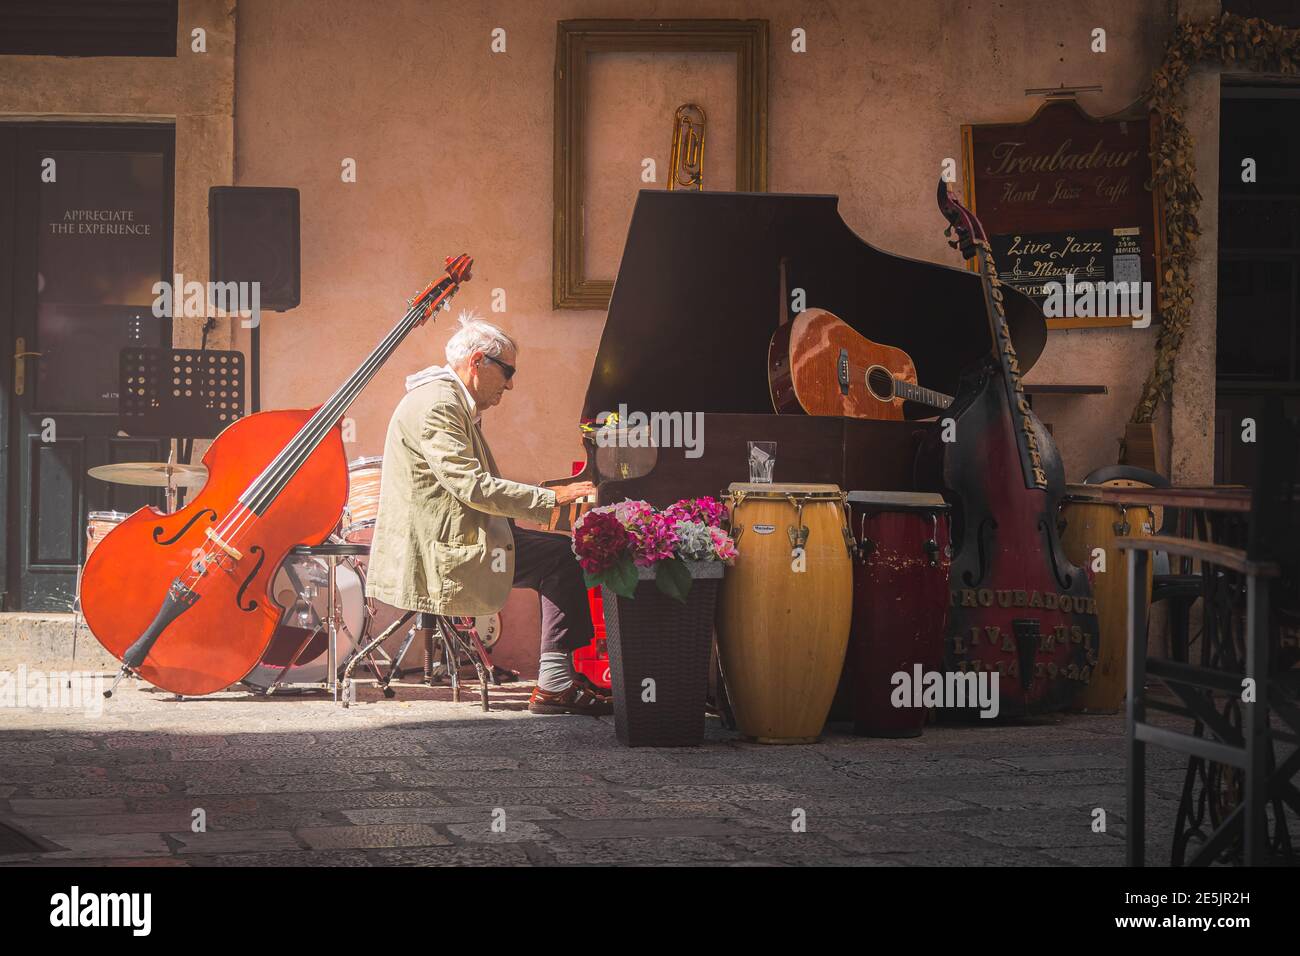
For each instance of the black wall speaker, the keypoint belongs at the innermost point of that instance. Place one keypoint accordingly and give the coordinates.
(253, 237)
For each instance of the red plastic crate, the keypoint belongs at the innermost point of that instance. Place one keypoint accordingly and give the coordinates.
(593, 660)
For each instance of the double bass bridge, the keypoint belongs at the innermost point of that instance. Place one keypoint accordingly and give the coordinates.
(228, 549)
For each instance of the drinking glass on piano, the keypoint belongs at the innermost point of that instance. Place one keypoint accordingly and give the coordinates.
(762, 459)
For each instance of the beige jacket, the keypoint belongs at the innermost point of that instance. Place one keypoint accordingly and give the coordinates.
(442, 542)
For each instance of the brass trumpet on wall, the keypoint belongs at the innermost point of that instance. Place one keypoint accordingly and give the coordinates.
(686, 162)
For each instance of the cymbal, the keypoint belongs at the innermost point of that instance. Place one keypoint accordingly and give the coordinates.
(158, 474)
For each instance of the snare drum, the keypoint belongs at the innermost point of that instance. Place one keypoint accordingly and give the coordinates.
(363, 500)
(301, 585)
(900, 604)
(783, 617)
(99, 524)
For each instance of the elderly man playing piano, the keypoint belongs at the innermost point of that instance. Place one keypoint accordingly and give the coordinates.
(445, 540)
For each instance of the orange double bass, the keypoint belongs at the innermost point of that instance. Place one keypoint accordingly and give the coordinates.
(184, 599)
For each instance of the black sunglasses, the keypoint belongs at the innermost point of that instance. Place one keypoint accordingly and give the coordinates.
(508, 369)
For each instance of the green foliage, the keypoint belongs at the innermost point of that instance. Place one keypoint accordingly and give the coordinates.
(673, 578)
(620, 578)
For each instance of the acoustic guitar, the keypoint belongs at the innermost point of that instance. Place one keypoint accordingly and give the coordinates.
(817, 364)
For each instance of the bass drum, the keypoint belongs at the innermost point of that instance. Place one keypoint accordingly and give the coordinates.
(489, 629)
(301, 585)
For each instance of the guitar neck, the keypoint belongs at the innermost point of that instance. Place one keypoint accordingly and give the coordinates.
(922, 396)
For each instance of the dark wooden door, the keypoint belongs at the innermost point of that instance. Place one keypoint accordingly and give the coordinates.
(90, 234)
(1257, 351)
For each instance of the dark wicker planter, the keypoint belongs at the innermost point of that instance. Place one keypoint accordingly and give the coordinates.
(657, 637)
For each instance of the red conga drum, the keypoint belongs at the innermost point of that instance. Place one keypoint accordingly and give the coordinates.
(900, 603)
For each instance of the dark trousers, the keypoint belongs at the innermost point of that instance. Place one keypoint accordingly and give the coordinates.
(545, 563)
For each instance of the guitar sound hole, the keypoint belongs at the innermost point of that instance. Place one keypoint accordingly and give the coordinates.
(880, 383)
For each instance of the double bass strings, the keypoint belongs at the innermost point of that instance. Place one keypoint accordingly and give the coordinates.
(264, 489)
(267, 485)
(334, 408)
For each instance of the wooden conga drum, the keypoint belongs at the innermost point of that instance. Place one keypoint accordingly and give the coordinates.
(900, 603)
(1090, 525)
(783, 619)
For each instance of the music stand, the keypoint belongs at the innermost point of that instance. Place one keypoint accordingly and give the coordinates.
(179, 393)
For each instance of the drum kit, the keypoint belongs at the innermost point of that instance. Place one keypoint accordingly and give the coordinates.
(326, 628)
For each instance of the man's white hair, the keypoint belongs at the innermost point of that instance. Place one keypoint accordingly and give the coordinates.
(474, 335)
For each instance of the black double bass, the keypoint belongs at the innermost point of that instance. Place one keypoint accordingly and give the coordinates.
(1019, 607)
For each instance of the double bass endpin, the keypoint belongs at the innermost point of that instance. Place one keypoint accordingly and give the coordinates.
(124, 672)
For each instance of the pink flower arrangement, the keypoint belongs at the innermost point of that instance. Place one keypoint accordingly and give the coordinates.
(612, 541)
(709, 511)
(654, 536)
(600, 541)
(723, 545)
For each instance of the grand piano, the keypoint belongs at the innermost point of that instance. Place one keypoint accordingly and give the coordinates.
(704, 281)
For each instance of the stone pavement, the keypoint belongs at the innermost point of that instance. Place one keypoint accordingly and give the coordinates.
(421, 780)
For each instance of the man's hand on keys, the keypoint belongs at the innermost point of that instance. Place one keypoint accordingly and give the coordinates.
(564, 494)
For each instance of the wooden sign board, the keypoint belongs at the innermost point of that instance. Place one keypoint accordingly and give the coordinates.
(1064, 198)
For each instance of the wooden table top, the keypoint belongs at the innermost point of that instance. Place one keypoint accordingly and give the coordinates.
(1231, 498)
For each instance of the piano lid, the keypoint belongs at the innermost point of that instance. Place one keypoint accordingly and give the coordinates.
(698, 296)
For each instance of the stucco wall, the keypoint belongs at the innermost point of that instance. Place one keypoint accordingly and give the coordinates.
(453, 145)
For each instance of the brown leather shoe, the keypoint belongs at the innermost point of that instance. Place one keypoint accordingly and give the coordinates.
(574, 699)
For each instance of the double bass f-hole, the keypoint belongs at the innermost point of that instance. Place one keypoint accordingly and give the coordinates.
(158, 531)
(1064, 578)
(984, 541)
(239, 598)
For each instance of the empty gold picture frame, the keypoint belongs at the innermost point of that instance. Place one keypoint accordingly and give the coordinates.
(576, 40)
